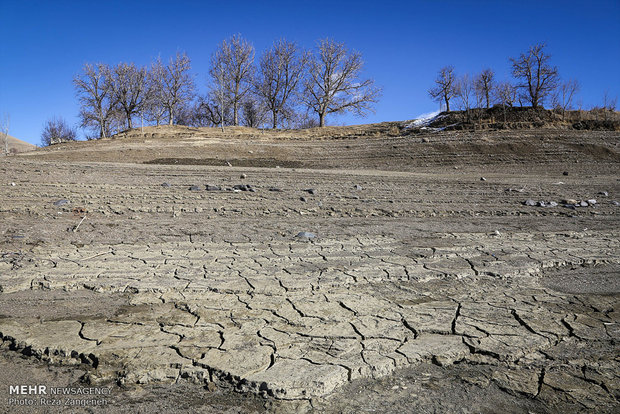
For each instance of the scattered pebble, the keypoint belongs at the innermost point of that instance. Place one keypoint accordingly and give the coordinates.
(303, 199)
(61, 202)
(604, 193)
(565, 173)
(229, 164)
(244, 187)
(592, 202)
(306, 235)
(482, 179)
(529, 202)
(243, 176)
(213, 188)
(165, 184)
(194, 188)
(584, 204)
(358, 187)
(275, 189)
(310, 191)
(13, 184)
(615, 203)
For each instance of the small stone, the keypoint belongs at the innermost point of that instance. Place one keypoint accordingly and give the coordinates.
(165, 184)
(615, 203)
(276, 189)
(529, 202)
(229, 164)
(565, 173)
(12, 184)
(243, 176)
(604, 193)
(584, 204)
(358, 187)
(592, 201)
(424, 139)
(305, 235)
(242, 187)
(213, 188)
(395, 387)
(553, 204)
(211, 387)
(310, 191)
(542, 204)
(61, 202)
(194, 188)
(497, 233)
(482, 179)
(303, 199)
(569, 201)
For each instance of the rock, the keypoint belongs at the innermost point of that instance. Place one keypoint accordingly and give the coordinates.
(569, 201)
(542, 204)
(583, 204)
(243, 176)
(603, 193)
(276, 189)
(615, 203)
(553, 204)
(12, 184)
(310, 191)
(61, 202)
(592, 201)
(565, 173)
(306, 235)
(229, 164)
(194, 188)
(358, 187)
(482, 179)
(165, 184)
(424, 139)
(213, 188)
(529, 202)
(243, 187)
(303, 199)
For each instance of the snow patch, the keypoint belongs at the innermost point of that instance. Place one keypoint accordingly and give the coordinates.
(424, 120)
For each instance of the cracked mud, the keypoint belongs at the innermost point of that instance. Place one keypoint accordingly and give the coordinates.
(410, 272)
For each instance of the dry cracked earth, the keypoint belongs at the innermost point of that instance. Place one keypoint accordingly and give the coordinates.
(425, 289)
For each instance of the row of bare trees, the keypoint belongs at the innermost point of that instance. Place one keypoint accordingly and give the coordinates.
(286, 85)
(536, 81)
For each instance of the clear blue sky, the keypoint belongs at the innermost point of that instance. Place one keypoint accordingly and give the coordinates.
(43, 44)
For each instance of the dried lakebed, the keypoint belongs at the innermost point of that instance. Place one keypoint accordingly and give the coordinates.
(164, 285)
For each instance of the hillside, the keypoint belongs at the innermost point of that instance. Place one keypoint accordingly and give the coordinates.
(16, 145)
(396, 146)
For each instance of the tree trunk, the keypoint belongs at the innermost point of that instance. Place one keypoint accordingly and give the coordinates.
(236, 118)
(447, 104)
(275, 119)
(487, 96)
(322, 119)
(170, 118)
(128, 120)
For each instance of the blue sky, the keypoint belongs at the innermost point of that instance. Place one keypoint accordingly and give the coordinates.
(43, 44)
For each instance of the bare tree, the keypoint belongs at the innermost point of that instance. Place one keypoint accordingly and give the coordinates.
(564, 94)
(538, 79)
(464, 89)
(333, 84)
(154, 105)
(96, 98)
(176, 83)
(609, 103)
(56, 131)
(129, 88)
(484, 85)
(4, 130)
(253, 113)
(445, 86)
(232, 70)
(506, 94)
(280, 71)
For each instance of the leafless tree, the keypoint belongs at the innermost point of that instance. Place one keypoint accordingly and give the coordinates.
(484, 85)
(253, 113)
(537, 78)
(609, 103)
(4, 131)
(280, 71)
(232, 71)
(56, 130)
(333, 83)
(154, 105)
(464, 89)
(445, 86)
(130, 89)
(174, 85)
(564, 94)
(97, 101)
(506, 94)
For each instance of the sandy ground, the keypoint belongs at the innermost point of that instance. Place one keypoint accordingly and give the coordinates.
(429, 287)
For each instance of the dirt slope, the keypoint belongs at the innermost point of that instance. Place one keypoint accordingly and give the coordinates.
(16, 145)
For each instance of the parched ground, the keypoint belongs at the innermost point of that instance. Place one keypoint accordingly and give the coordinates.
(429, 287)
